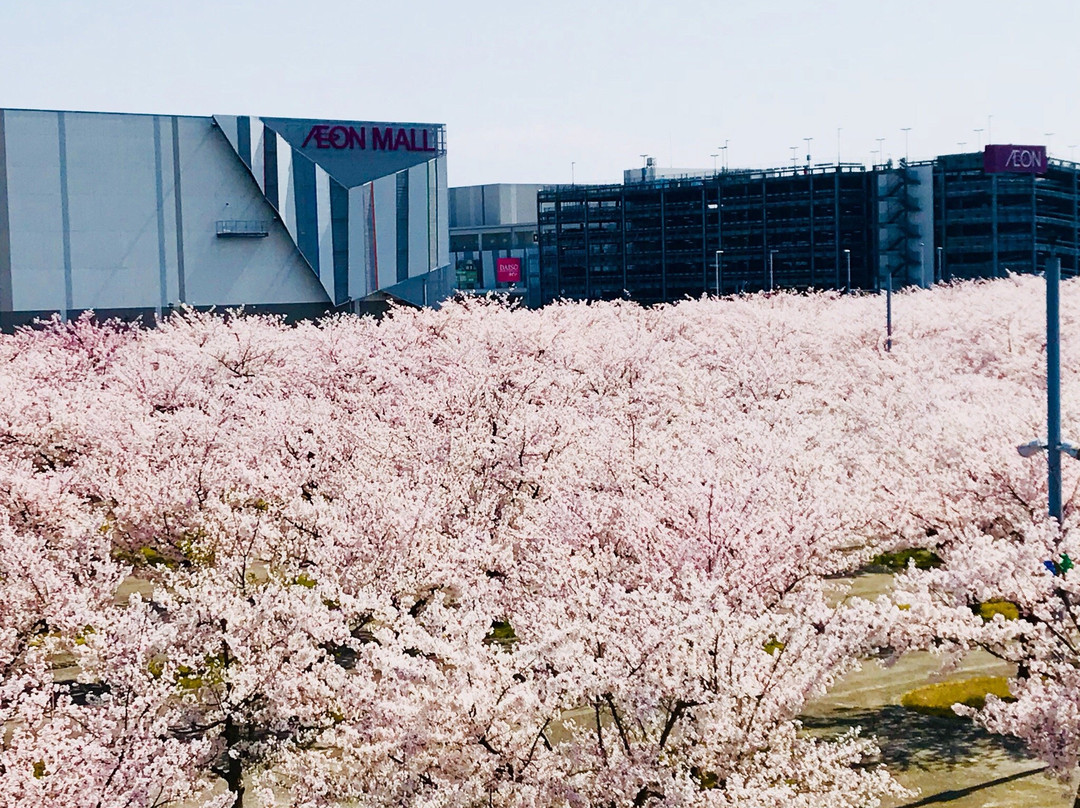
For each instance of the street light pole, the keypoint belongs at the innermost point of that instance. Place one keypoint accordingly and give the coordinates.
(881, 150)
(808, 139)
(714, 156)
(1054, 446)
(794, 158)
(847, 289)
(1053, 387)
(922, 262)
(771, 254)
(905, 130)
(888, 312)
(719, 257)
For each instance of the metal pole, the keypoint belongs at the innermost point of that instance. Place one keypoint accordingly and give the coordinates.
(888, 313)
(847, 254)
(922, 263)
(771, 254)
(1053, 387)
(717, 273)
(940, 266)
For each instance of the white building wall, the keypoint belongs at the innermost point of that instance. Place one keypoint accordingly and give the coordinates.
(113, 210)
(37, 235)
(233, 271)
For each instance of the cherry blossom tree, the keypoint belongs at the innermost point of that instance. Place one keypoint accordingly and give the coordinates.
(577, 556)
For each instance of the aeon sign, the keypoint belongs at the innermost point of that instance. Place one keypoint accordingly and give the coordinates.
(1014, 159)
(376, 138)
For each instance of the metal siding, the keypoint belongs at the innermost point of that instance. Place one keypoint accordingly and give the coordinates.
(36, 227)
(286, 187)
(256, 137)
(5, 232)
(442, 228)
(305, 203)
(271, 178)
(230, 272)
(112, 203)
(418, 221)
(325, 229)
(339, 223)
(401, 208)
(178, 214)
(243, 139)
(385, 192)
(361, 248)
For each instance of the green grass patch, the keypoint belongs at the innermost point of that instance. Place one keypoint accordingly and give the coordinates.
(1005, 608)
(938, 699)
(924, 559)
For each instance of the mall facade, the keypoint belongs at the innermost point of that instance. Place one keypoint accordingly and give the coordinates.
(136, 215)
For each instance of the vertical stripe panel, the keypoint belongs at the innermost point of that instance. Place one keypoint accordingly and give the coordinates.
(255, 140)
(325, 230)
(286, 189)
(339, 224)
(6, 300)
(159, 198)
(243, 139)
(305, 209)
(65, 220)
(180, 277)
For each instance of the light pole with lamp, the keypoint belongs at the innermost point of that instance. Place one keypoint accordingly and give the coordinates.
(905, 130)
(978, 132)
(922, 262)
(724, 150)
(771, 254)
(1054, 446)
(793, 156)
(719, 258)
(881, 150)
(714, 156)
(847, 255)
(808, 139)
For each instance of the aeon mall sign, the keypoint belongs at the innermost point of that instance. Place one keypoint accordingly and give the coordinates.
(1009, 159)
(375, 138)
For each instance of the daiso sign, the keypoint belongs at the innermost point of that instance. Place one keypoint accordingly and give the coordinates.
(1014, 159)
(374, 138)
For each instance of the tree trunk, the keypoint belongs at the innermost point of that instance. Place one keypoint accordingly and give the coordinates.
(234, 769)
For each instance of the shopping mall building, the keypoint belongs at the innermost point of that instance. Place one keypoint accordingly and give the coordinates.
(135, 215)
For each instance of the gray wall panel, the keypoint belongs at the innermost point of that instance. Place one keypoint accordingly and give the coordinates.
(418, 221)
(5, 233)
(33, 175)
(112, 206)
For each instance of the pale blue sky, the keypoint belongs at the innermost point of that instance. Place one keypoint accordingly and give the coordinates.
(528, 88)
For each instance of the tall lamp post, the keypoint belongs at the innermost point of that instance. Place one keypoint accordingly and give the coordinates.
(1054, 446)
(847, 255)
(719, 258)
(905, 130)
(888, 311)
(771, 254)
(808, 139)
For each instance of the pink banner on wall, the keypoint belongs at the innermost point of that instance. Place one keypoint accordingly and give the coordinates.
(1014, 159)
(507, 270)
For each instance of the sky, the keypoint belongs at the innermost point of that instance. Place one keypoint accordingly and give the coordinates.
(559, 91)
